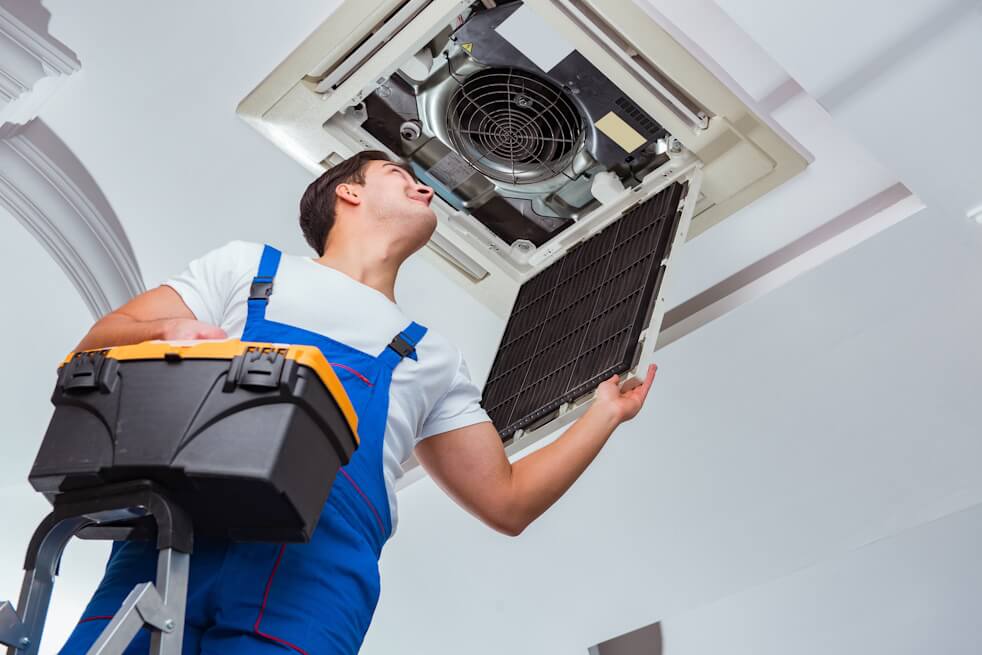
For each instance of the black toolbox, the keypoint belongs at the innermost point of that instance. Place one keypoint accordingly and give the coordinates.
(246, 437)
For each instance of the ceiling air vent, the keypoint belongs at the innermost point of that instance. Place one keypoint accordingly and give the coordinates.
(571, 145)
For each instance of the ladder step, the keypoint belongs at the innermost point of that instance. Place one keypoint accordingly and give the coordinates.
(13, 632)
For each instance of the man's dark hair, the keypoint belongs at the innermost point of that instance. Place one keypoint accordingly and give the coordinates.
(318, 203)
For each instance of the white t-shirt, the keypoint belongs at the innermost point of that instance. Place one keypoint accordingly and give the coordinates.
(427, 397)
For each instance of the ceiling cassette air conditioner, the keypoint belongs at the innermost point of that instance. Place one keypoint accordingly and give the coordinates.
(573, 145)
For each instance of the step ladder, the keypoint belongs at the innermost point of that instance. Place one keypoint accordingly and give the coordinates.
(136, 509)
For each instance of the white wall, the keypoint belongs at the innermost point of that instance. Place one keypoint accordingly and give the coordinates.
(42, 317)
(915, 593)
(826, 415)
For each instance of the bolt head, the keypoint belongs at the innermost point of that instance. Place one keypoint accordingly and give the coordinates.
(522, 100)
(168, 626)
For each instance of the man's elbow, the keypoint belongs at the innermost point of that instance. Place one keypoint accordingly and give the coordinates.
(508, 523)
(508, 529)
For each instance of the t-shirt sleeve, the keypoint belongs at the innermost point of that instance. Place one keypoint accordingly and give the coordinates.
(207, 284)
(459, 407)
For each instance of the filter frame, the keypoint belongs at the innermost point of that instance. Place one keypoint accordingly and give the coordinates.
(553, 350)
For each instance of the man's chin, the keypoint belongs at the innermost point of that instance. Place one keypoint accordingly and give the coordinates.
(431, 225)
(426, 213)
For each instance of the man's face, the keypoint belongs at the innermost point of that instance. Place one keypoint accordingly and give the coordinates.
(393, 195)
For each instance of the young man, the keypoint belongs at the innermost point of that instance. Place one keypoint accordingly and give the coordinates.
(411, 391)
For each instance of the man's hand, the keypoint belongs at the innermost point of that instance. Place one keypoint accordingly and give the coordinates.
(624, 404)
(186, 329)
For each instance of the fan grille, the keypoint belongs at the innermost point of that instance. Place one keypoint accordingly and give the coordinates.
(514, 126)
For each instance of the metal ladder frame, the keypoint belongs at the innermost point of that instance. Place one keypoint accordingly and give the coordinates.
(129, 510)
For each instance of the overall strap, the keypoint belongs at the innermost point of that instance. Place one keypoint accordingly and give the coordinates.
(403, 345)
(262, 283)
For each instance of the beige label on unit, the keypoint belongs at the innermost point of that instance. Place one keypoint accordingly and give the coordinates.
(620, 132)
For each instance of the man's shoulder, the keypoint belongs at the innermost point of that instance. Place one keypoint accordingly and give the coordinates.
(242, 250)
(443, 355)
(237, 257)
(233, 253)
(436, 341)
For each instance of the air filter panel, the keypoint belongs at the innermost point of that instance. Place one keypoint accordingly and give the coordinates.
(578, 321)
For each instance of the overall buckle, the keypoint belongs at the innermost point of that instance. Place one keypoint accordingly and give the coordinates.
(401, 346)
(261, 289)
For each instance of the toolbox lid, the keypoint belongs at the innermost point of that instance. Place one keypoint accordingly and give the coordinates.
(228, 349)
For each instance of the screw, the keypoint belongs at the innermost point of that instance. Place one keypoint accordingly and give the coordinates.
(25, 642)
(522, 101)
(168, 626)
(410, 130)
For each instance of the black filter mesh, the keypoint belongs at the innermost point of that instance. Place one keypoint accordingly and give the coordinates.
(577, 322)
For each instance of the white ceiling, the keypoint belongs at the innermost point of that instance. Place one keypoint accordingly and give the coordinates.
(830, 413)
(899, 77)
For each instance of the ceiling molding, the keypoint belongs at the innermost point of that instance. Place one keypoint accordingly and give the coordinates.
(48, 190)
(28, 53)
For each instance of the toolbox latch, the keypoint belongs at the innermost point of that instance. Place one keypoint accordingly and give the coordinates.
(257, 368)
(88, 370)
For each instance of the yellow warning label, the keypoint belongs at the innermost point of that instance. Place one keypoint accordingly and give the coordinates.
(620, 132)
(467, 46)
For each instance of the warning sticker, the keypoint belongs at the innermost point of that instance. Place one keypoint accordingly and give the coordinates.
(451, 170)
(469, 47)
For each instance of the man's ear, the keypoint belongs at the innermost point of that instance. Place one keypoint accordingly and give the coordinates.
(348, 193)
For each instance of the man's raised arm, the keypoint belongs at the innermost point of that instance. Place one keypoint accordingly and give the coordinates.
(471, 466)
(156, 314)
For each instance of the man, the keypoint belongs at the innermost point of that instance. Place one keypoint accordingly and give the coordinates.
(411, 391)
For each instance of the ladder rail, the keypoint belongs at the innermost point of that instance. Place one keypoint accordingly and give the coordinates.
(160, 605)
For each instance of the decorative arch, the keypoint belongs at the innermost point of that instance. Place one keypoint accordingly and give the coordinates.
(48, 190)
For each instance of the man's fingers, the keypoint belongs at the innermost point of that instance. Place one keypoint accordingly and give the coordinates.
(211, 332)
(635, 388)
(649, 378)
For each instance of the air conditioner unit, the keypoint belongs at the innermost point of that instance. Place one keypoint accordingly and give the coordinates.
(572, 145)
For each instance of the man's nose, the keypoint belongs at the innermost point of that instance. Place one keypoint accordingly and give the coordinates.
(425, 191)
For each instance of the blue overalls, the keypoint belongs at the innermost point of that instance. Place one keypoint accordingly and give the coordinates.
(252, 598)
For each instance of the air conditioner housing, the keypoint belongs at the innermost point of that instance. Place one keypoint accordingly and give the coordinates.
(538, 123)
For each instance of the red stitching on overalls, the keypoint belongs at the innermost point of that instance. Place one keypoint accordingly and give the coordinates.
(370, 505)
(348, 368)
(269, 584)
(96, 618)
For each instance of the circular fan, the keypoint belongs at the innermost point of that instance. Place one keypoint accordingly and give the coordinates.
(514, 126)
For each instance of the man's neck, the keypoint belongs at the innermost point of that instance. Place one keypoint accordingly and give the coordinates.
(376, 272)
